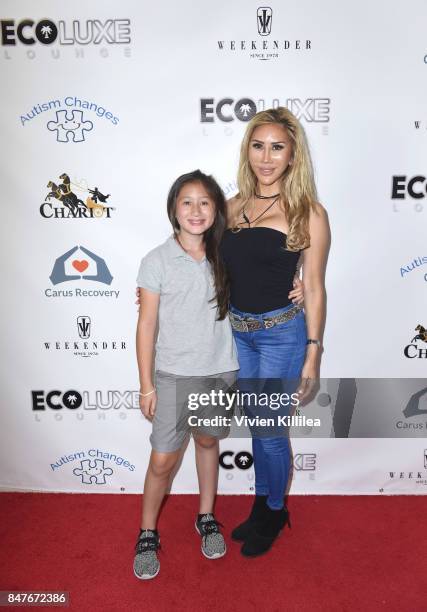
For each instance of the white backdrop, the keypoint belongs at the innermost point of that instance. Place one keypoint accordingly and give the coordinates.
(113, 98)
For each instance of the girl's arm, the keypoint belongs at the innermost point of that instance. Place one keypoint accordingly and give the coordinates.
(145, 339)
(297, 293)
(314, 268)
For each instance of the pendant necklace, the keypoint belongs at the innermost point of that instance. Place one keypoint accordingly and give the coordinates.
(237, 229)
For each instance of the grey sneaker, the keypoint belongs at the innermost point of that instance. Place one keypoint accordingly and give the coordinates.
(213, 544)
(146, 564)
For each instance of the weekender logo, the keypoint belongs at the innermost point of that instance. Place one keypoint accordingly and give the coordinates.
(85, 344)
(79, 263)
(417, 476)
(265, 40)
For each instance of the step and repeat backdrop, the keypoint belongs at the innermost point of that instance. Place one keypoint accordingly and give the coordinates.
(103, 105)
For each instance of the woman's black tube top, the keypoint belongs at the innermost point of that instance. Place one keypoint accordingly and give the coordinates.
(260, 269)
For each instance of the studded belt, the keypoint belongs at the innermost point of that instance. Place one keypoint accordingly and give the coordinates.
(248, 324)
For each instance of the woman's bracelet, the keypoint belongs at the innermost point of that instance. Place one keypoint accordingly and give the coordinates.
(312, 341)
(146, 394)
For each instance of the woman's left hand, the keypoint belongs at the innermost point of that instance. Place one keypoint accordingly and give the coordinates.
(309, 380)
(297, 293)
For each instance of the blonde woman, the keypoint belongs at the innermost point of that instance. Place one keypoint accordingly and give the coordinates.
(274, 221)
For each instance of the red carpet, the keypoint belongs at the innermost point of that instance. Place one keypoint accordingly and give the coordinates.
(342, 553)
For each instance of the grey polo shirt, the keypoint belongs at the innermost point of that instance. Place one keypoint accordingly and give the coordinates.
(191, 342)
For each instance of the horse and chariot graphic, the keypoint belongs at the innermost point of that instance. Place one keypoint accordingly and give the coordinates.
(63, 192)
(422, 334)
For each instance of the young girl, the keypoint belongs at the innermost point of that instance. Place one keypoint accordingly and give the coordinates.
(179, 282)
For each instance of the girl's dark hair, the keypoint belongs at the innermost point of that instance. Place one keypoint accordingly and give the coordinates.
(212, 237)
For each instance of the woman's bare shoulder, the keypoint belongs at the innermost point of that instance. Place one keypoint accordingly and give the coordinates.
(234, 202)
(319, 209)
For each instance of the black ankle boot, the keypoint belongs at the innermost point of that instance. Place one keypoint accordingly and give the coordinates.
(266, 530)
(242, 531)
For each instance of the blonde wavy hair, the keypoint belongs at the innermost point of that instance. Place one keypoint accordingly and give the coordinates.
(297, 188)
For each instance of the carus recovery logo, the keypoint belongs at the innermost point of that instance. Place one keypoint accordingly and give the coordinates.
(80, 264)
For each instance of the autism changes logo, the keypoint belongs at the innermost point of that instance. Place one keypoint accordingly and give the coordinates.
(70, 118)
(92, 466)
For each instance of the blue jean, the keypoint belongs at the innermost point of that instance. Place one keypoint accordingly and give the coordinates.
(267, 355)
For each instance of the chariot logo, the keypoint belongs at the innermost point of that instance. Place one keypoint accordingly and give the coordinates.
(29, 34)
(73, 400)
(69, 199)
(85, 347)
(88, 267)
(412, 189)
(266, 46)
(92, 466)
(70, 119)
(227, 110)
(417, 349)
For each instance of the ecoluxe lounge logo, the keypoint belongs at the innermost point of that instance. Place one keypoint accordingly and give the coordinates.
(267, 45)
(29, 35)
(412, 189)
(229, 109)
(57, 403)
(68, 199)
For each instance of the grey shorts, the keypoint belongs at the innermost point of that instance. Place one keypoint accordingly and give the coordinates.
(172, 423)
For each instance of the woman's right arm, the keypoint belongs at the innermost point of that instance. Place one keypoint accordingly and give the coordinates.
(145, 339)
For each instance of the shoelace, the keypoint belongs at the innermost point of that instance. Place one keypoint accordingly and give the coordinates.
(211, 526)
(146, 543)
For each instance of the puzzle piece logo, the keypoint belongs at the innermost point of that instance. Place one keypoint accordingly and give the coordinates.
(92, 471)
(70, 126)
